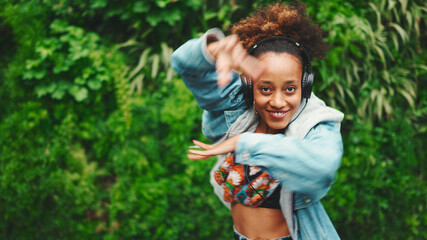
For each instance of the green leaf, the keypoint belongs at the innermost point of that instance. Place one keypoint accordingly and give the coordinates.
(141, 7)
(98, 4)
(31, 63)
(171, 16)
(79, 80)
(44, 51)
(58, 94)
(141, 63)
(86, 73)
(162, 3)
(155, 66)
(39, 74)
(194, 4)
(58, 26)
(408, 97)
(401, 31)
(209, 15)
(27, 75)
(79, 93)
(404, 4)
(94, 84)
(43, 90)
(137, 83)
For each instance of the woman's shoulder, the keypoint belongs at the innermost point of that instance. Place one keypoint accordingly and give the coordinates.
(311, 114)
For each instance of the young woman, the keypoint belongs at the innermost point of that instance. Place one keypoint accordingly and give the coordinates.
(278, 145)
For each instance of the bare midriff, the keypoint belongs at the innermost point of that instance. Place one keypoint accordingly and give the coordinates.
(259, 223)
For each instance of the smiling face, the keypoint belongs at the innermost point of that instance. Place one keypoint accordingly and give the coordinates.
(277, 94)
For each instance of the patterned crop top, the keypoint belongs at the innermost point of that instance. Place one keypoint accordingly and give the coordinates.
(248, 185)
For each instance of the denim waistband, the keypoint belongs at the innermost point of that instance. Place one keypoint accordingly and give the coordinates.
(239, 236)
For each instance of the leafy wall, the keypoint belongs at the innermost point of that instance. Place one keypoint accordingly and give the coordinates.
(94, 123)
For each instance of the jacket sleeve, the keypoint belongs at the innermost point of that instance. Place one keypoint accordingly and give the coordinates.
(305, 166)
(196, 67)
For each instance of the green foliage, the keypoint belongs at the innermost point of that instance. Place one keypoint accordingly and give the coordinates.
(374, 73)
(153, 178)
(95, 125)
(380, 183)
(46, 179)
(81, 66)
(380, 72)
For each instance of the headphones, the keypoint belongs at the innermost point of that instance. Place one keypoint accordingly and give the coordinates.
(307, 76)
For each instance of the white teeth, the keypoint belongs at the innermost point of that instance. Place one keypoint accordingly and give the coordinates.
(278, 113)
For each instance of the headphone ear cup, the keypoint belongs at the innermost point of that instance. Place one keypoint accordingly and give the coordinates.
(307, 84)
(247, 89)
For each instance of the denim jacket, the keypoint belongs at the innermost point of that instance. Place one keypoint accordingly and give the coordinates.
(305, 158)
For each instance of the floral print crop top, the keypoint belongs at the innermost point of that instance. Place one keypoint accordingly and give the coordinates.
(248, 185)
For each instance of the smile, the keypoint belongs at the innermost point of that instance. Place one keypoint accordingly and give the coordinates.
(277, 115)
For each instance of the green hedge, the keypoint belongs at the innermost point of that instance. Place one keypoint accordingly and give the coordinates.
(95, 125)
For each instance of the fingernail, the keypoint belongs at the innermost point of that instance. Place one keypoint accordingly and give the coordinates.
(194, 147)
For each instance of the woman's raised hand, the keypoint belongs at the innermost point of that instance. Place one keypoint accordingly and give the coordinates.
(230, 54)
(227, 146)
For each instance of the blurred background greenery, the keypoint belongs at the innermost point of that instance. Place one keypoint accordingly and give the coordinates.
(94, 123)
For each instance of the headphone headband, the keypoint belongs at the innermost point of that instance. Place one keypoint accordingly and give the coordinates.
(304, 51)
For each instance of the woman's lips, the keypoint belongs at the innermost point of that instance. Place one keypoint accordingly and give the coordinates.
(277, 114)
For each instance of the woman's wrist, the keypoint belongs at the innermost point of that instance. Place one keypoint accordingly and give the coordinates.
(212, 48)
(210, 43)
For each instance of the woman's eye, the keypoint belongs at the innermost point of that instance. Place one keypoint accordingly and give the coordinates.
(265, 90)
(291, 89)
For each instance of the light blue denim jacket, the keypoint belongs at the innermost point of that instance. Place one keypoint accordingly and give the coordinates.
(305, 158)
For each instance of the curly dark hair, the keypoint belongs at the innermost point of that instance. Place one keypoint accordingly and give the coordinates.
(282, 20)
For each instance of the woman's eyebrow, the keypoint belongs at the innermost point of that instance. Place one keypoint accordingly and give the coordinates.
(287, 82)
(266, 81)
(290, 81)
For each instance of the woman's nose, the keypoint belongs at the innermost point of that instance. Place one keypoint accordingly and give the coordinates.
(277, 100)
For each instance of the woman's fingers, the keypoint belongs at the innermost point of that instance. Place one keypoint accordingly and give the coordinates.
(231, 42)
(252, 67)
(238, 56)
(202, 145)
(201, 153)
(217, 150)
(197, 157)
(230, 54)
(227, 146)
(223, 71)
